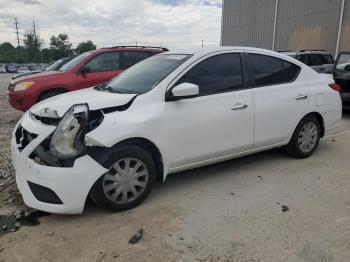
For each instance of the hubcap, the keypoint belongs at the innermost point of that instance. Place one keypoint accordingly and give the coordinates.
(125, 180)
(308, 137)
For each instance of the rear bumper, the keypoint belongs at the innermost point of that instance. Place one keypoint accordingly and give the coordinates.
(70, 184)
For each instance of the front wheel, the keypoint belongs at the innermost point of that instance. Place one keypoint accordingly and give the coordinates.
(305, 138)
(128, 181)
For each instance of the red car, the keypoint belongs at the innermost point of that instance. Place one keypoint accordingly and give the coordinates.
(86, 70)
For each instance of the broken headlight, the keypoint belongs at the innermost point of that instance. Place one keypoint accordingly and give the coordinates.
(67, 139)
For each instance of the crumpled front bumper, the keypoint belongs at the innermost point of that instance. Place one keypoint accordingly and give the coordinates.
(70, 184)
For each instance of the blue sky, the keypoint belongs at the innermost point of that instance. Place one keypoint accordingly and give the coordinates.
(171, 23)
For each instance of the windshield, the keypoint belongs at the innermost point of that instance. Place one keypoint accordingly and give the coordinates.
(144, 76)
(54, 65)
(344, 61)
(72, 63)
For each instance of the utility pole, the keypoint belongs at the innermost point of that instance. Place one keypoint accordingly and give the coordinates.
(202, 43)
(339, 28)
(34, 30)
(36, 42)
(274, 27)
(16, 27)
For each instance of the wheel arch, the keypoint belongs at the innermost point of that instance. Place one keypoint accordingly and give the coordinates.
(141, 142)
(318, 116)
(48, 90)
(320, 120)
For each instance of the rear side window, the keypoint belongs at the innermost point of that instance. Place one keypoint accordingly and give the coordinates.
(104, 62)
(268, 70)
(315, 60)
(292, 71)
(217, 74)
(327, 59)
(131, 58)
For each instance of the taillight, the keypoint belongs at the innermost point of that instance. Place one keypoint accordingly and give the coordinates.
(335, 87)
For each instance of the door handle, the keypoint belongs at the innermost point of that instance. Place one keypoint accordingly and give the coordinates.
(239, 107)
(301, 97)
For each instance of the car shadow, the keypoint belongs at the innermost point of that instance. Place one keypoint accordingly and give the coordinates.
(346, 114)
(174, 183)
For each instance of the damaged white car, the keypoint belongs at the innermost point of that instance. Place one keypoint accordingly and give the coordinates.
(168, 113)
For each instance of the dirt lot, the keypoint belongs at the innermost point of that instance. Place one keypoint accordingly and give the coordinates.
(226, 212)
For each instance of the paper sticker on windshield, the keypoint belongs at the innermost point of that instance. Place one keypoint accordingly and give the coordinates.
(176, 57)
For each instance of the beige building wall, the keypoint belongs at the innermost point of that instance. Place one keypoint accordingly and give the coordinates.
(300, 24)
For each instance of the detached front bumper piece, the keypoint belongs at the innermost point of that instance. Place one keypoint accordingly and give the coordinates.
(52, 189)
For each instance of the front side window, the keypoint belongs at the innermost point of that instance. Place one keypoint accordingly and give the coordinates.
(104, 62)
(270, 70)
(217, 74)
(130, 58)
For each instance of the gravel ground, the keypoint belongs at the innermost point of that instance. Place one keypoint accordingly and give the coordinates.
(8, 118)
(264, 207)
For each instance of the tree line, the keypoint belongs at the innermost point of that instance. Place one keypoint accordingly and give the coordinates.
(32, 51)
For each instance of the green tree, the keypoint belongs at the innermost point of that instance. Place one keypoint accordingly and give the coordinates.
(11, 54)
(84, 47)
(32, 44)
(60, 46)
(7, 52)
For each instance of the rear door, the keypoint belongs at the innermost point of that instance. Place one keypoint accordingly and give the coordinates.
(280, 100)
(103, 67)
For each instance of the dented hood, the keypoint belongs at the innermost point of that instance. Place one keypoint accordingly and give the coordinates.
(58, 105)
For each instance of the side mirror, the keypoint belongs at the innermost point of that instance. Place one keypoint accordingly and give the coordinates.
(183, 91)
(84, 70)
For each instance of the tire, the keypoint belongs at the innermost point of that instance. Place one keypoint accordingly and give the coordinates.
(109, 190)
(49, 94)
(305, 138)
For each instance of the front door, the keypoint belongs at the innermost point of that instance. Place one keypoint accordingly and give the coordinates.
(217, 123)
(103, 67)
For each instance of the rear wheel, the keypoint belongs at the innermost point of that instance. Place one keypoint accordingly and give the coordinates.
(305, 138)
(49, 94)
(128, 181)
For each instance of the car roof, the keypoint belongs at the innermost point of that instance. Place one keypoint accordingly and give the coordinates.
(324, 52)
(208, 50)
(154, 49)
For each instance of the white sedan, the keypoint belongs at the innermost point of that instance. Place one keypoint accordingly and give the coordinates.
(171, 112)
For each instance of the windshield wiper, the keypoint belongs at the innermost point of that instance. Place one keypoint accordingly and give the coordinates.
(110, 89)
(104, 86)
